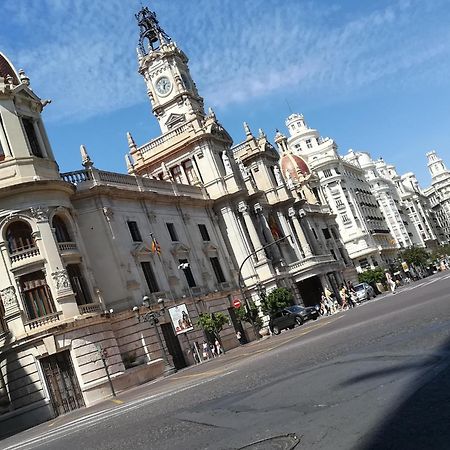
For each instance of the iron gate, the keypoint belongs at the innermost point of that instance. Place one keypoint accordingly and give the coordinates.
(62, 383)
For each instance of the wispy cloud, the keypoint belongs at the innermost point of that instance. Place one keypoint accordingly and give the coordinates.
(82, 53)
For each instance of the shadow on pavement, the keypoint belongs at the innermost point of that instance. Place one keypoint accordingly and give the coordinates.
(422, 421)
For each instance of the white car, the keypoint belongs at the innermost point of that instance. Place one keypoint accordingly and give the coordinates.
(364, 291)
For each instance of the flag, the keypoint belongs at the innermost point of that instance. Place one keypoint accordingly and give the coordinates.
(156, 248)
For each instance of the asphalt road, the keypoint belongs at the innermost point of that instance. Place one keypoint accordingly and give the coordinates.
(376, 377)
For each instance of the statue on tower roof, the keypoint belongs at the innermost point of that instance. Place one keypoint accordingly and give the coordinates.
(150, 30)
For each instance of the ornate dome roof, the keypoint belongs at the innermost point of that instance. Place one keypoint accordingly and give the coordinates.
(6, 68)
(294, 165)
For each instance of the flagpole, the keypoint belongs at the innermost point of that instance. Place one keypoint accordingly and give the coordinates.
(155, 243)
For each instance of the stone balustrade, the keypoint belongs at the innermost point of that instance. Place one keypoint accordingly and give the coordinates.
(67, 246)
(24, 254)
(163, 139)
(41, 321)
(90, 308)
(309, 262)
(76, 177)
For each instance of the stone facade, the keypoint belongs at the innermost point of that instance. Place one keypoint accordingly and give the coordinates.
(196, 221)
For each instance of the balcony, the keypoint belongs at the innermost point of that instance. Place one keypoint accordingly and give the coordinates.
(68, 249)
(90, 308)
(310, 262)
(42, 321)
(24, 257)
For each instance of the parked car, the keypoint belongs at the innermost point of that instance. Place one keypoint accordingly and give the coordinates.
(291, 316)
(364, 291)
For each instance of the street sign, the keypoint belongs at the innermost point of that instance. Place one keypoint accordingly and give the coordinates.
(236, 303)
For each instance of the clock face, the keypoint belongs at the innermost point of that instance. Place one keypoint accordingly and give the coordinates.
(163, 86)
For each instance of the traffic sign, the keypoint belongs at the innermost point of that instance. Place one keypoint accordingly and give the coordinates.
(236, 303)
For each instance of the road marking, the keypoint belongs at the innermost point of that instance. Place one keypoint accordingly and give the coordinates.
(93, 419)
(117, 401)
(195, 375)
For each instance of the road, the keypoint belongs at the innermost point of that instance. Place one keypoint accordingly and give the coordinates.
(377, 376)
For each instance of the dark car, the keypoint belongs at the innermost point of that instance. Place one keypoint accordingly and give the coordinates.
(291, 316)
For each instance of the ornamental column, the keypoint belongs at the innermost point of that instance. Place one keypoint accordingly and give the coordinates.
(300, 233)
(243, 209)
(59, 279)
(9, 295)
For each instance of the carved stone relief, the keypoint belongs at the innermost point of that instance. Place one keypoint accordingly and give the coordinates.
(61, 279)
(9, 299)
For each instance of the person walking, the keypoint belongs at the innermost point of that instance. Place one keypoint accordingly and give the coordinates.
(239, 337)
(391, 282)
(219, 350)
(329, 296)
(353, 297)
(205, 349)
(343, 294)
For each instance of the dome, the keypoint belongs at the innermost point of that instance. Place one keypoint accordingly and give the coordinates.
(294, 165)
(6, 68)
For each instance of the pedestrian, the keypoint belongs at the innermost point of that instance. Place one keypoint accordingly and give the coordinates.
(343, 294)
(239, 337)
(213, 350)
(219, 350)
(330, 302)
(391, 282)
(353, 298)
(205, 351)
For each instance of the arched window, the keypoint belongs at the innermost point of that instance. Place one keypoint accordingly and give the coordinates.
(61, 232)
(19, 237)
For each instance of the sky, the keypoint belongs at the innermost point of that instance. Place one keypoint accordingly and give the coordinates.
(372, 75)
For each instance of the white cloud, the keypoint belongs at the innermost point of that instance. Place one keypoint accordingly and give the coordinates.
(82, 53)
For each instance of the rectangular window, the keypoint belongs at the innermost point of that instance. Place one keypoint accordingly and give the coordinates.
(314, 233)
(172, 232)
(326, 233)
(204, 232)
(134, 231)
(188, 273)
(177, 174)
(308, 143)
(190, 172)
(327, 173)
(217, 269)
(78, 284)
(36, 294)
(149, 277)
(32, 137)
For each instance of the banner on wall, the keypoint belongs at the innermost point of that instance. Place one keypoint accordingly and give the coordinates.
(180, 319)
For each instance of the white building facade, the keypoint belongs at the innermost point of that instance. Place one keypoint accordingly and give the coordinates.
(438, 193)
(343, 186)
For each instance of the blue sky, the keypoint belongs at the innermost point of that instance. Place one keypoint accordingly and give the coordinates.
(373, 75)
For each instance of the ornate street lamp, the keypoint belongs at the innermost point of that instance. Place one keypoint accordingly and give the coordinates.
(152, 317)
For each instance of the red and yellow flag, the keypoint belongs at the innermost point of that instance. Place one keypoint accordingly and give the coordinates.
(156, 248)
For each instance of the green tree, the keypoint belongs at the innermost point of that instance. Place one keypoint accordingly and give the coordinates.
(249, 314)
(213, 324)
(372, 276)
(416, 255)
(278, 299)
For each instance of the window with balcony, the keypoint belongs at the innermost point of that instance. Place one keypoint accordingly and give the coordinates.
(19, 237)
(36, 295)
(204, 232)
(32, 137)
(134, 231)
(149, 277)
(217, 268)
(188, 273)
(61, 232)
(79, 285)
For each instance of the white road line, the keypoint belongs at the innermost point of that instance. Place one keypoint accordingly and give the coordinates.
(95, 418)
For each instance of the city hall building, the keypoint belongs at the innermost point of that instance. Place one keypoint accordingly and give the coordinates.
(197, 221)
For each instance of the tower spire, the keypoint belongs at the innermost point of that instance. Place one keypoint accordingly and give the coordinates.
(150, 30)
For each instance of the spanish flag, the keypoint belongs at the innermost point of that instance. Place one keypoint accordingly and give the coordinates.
(156, 248)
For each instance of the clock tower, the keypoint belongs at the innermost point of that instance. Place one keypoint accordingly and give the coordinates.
(170, 87)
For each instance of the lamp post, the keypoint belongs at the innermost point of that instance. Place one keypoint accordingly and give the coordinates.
(183, 267)
(240, 279)
(152, 317)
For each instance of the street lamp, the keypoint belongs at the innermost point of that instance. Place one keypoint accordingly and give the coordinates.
(152, 317)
